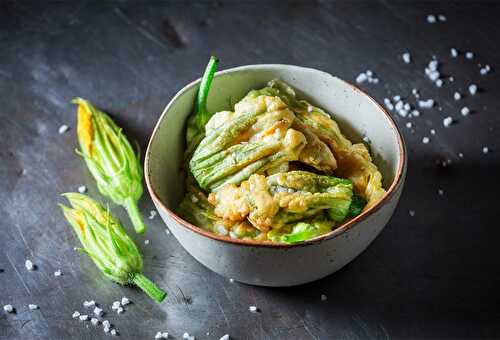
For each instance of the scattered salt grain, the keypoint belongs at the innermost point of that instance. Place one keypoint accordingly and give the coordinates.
(253, 309)
(485, 149)
(447, 121)
(412, 213)
(465, 111)
(225, 337)
(324, 297)
(32, 306)
(406, 57)
(460, 155)
(161, 335)
(8, 309)
(415, 93)
(106, 329)
(187, 336)
(441, 18)
(399, 105)
(153, 213)
(388, 104)
(439, 83)
(114, 332)
(231, 280)
(415, 113)
(29, 265)
(426, 104)
(469, 55)
(361, 78)
(119, 310)
(485, 70)
(106, 323)
(454, 52)
(167, 231)
(473, 89)
(409, 125)
(98, 311)
(367, 76)
(88, 304)
(94, 321)
(75, 314)
(433, 132)
(83, 317)
(82, 189)
(451, 79)
(146, 242)
(115, 305)
(63, 129)
(58, 272)
(440, 192)
(431, 19)
(396, 98)
(426, 140)
(457, 96)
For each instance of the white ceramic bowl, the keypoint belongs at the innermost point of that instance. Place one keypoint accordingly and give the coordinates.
(268, 264)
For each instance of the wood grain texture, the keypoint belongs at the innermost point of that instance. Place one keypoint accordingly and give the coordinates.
(434, 275)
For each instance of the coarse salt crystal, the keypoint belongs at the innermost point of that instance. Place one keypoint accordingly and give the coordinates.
(457, 96)
(119, 310)
(106, 323)
(473, 89)
(439, 82)
(415, 93)
(415, 113)
(485, 149)
(426, 104)
(167, 231)
(253, 309)
(125, 301)
(460, 155)
(32, 306)
(447, 121)
(403, 112)
(426, 140)
(75, 314)
(361, 78)
(58, 272)
(454, 52)
(396, 98)
(94, 321)
(441, 18)
(431, 19)
(29, 265)
(115, 305)
(224, 337)
(409, 125)
(84, 317)
(406, 57)
(399, 105)
(146, 242)
(469, 55)
(369, 73)
(465, 111)
(440, 192)
(412, 213)
(106, 329)
(114, 332)
(153, 213)
(231, 280)
(324, 297)
(98, 311)
(90, 303)
(451, 79)
(82, 189)
(434, 75)
(433, 132)
(388, 104)
(8, 309)
(63, 129)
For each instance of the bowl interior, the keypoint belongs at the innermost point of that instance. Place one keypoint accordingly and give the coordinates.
(357, 114)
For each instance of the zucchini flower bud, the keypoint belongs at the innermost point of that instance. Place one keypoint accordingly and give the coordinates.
(111, 159)
(105, 241)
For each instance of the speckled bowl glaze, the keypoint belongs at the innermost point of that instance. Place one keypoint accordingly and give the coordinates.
(267, 264)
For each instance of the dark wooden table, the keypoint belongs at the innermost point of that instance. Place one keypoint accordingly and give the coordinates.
(436, 274)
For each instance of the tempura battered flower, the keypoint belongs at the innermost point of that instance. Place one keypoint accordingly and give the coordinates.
(105, 241)
(111, 159)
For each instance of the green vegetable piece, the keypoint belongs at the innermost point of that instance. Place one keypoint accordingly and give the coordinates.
(111, 159)
(197, 121)
(357, 205)
(105, 241)
(304, 231)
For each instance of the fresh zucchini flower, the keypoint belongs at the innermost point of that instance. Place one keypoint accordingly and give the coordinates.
(105, 241)
(111, 159)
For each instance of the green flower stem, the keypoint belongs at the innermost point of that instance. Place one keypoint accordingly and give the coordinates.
(149, 287)
(135, 215)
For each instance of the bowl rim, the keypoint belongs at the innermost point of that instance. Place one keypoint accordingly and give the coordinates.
(397, 181)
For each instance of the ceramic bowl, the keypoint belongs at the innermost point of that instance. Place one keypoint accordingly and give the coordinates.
(268, 264)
